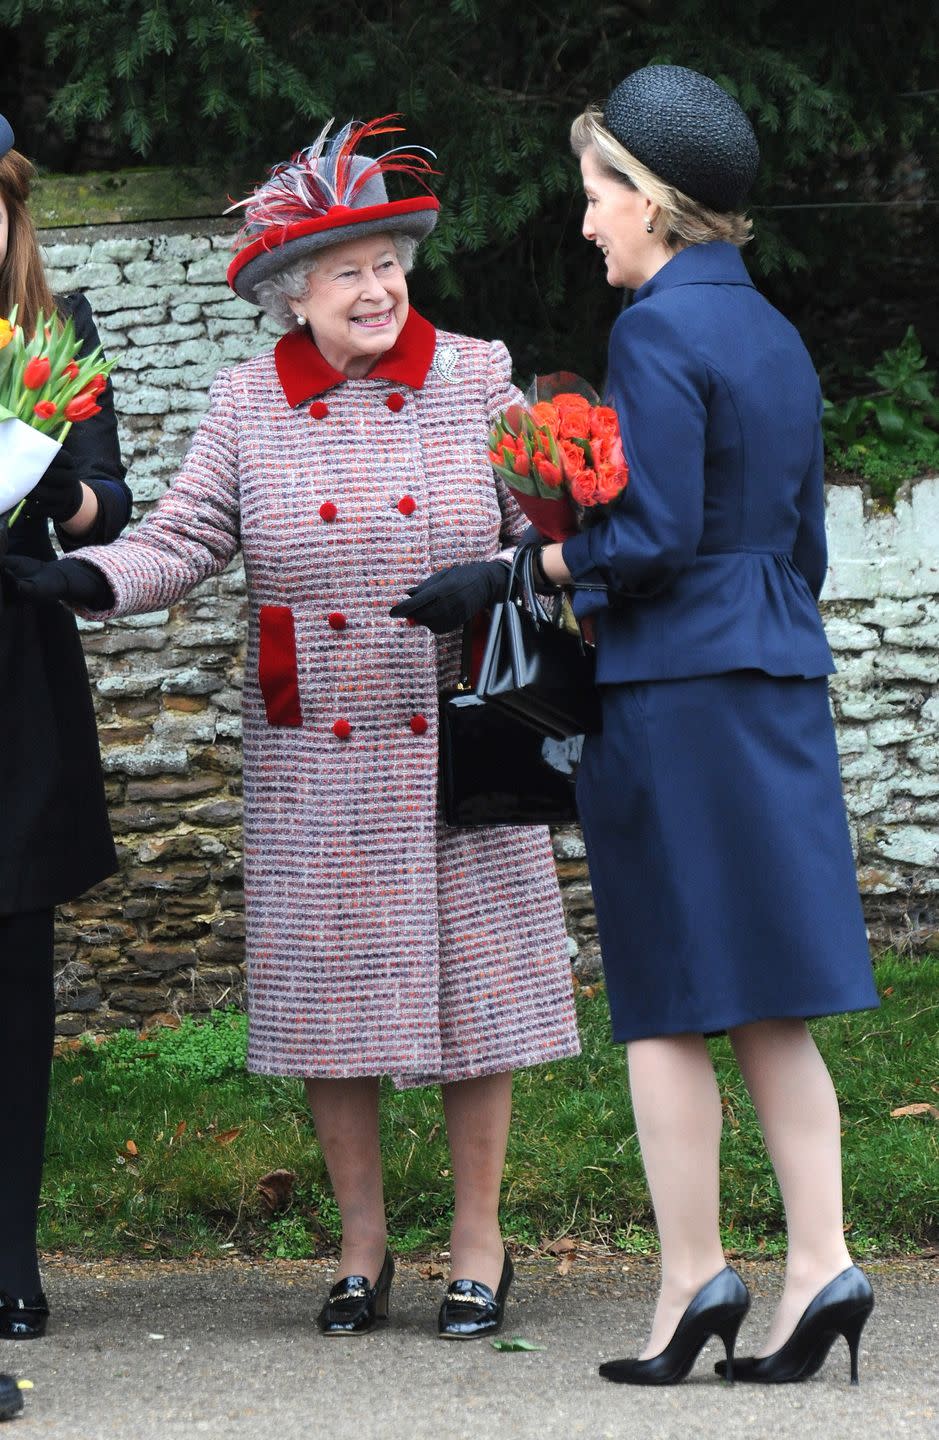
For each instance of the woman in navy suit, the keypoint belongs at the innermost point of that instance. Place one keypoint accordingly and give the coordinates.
(716, 833)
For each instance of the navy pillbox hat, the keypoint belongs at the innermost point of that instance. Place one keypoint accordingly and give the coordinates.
(687, 131)
(6, 135)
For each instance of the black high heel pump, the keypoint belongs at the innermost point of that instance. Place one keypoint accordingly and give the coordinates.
(717, 1309)
(354, 1307)
(841, 1308)
(23, 1319)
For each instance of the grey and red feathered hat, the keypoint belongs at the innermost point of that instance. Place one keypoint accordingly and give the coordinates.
(688, 131)
(326, 194)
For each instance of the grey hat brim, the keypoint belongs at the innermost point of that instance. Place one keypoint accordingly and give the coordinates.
(417, 225)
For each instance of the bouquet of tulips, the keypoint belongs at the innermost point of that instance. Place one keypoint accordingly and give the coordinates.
(560, 453)
(45, 389)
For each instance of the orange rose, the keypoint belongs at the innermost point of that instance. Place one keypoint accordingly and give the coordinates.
(574, 416)
(604, 423)
(584, 488)
(573, 459)
(611, 481)
(544, 414)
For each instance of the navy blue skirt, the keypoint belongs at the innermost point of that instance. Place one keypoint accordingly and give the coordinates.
(719, 854)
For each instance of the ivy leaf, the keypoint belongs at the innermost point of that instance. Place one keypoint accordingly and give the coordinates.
(516, 1343)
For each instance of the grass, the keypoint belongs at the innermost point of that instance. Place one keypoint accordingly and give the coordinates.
(156, 1145)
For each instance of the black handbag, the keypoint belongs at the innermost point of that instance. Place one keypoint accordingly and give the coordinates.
(533, 667)
(496, 770)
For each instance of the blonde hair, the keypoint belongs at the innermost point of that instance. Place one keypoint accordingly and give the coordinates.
(687, 222)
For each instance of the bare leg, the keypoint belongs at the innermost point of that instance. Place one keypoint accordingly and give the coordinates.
(478, 1114)
(798, 1113)
(678, 1119)
(345, 1113)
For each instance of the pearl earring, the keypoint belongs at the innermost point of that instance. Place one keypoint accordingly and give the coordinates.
(301, 319)
(649, 227)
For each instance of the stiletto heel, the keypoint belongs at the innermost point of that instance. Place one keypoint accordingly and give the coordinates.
(851, 1330)
(841, 1308)
(717, 1309)
(353, 1307)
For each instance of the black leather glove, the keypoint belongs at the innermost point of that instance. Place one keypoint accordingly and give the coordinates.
(59, 492)
(446, 601)
(70, 580)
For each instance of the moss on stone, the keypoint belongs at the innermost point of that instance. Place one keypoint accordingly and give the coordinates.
(122, 196)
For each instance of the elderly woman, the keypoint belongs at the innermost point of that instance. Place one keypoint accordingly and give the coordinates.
(55, 841)
(346, 464)
(714, 786)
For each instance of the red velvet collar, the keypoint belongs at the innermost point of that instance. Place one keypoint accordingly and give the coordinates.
(304, 373)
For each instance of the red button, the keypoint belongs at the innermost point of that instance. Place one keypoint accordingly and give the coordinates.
(407, 504)
(328, 510)
(395, 401)
(319, 410)
(342, 729)
(418, 724)
(411, 620)
(337, 621)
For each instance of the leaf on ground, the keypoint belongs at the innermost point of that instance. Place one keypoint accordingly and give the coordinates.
(180, 1130)
(225, 1137)
(131, 1147)
(565, 1266)
(275, 1190)
(516, 1343)
(563, 1246)
(922, 1107)
(431, 1272)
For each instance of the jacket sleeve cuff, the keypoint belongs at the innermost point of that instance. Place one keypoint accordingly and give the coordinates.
(577, 555)
(113, 514)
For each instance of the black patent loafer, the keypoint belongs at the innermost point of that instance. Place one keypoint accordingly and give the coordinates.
(23, 1319)
(354, 1307)
(470, 1310)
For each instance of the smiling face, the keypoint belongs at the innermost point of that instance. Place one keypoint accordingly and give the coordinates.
(357, 302)
(615, 221)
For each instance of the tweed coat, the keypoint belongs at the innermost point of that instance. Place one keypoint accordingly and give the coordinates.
(379, 940)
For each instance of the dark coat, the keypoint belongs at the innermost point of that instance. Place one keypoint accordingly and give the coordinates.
(716, 553)
(55, 840)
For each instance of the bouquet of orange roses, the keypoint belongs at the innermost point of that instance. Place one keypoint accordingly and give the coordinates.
(45, 388)
(560, 453)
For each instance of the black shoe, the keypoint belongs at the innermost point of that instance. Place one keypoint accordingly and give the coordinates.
(717, 1309)
(23, 1319)
(470, 1310)
(11, 1397)
(354, 1307)
(841, 1308)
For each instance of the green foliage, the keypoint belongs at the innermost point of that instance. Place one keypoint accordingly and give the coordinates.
(201, 1049)
(888, 435)
(156, 1145)
(238, 85)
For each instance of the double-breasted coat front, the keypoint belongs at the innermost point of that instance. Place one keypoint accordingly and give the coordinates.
(379, 940)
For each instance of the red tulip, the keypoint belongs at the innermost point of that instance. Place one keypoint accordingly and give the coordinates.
(82, 408)
(547, 472)
(71, 370)
(36, 373)
(95, 385)
(45, 409)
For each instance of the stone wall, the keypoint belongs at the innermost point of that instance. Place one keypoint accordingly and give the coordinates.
(166, 934)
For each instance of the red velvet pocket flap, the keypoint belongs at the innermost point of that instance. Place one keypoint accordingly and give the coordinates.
(277, 665)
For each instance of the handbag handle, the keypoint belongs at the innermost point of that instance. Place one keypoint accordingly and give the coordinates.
(521, 584)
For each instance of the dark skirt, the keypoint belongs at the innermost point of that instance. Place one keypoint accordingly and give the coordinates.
(719, 854)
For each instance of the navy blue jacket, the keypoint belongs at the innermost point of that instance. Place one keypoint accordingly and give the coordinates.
(715, 555)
